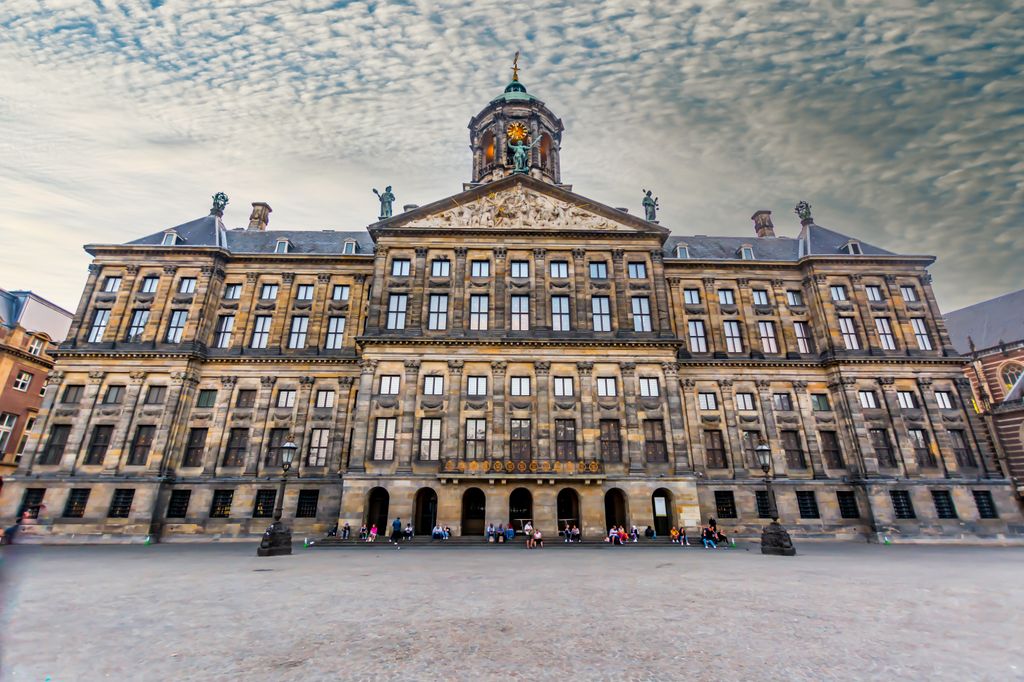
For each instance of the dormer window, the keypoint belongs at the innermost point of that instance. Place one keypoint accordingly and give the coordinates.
(170, 239)
(747, 252)
(283, 246)
(349, 248)
(852, 247)
(682, 251)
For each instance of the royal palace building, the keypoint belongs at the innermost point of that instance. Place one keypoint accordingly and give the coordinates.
(512, 352)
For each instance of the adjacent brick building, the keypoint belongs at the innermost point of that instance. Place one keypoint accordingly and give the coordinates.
(513, 352)
(990, 335)
(30, 328)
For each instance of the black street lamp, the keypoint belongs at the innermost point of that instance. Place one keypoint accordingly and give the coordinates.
(277, 539)
(774, 538)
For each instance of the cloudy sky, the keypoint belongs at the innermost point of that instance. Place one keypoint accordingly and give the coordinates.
(901, 122)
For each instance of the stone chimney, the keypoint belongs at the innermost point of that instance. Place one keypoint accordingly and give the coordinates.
(763, 223)
(260, 217)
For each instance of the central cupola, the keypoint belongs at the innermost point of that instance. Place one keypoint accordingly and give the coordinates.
(515, 133)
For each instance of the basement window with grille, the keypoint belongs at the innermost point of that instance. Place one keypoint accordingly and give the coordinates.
(901, 504)
(944, 507)
(220, 508)
(725, 504)
(986, 505)
(177, 507)
(121, 504)
(763, 507)
(263, 508)
(807, 504)
(847, 504)
(307, 504)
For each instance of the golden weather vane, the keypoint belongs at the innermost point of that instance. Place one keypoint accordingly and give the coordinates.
(515, 67)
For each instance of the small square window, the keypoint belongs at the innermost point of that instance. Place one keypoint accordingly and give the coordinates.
(480, 268)
(520, 269)
(838, 292)
(599, 270)
(233, 292)
(638, 270)
(121, 503)
(112, 285)
(304, 292)
(400, 267)
(606, 387)
(986, 505)
(114, 395)
(433, 385)
(476, 386)
(440, 267)
(263, 505)
(944, 399)
(868, 400)
(220, 507)
(72, 394)
(707, 401)
(874, 292)
(207, 397)
(782, 401)
(268, 292)
(819, 402)
(745, 401)
(149, 284)
(520, 386)
(902, 507)
(563, 387)
(187, 285)
(22, 381)
(907, 399)
(340, 292)
(909, 294)
(78, 498)
(177, 506)
(794, 298)
(286, 397)
(389, 384)
(649, 387)
(726, 297)
(760, 297)
(324, 399)
(156, 395)
(691, 296)
(559, 269)
(246, 398)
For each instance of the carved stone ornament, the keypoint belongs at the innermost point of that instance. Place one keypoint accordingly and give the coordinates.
(886, 381)
(137, 376)
(228, 381)
(542, 367)
(268, 381)
(345, 382)
(689, 383)
(307, 381)
(585, 368)
(54, 378)
(367, 366)
(412, 366)
(96, 376)
(517, 207)
(725, 383)
(455, 366)
(628, 367)
(763, 383)
(499, 366)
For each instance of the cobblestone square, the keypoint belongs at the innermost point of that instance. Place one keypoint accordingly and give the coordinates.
(217, 612)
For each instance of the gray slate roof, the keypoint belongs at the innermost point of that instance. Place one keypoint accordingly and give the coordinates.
(988, 323)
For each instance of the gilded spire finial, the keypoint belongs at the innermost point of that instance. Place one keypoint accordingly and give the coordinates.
(515, 67)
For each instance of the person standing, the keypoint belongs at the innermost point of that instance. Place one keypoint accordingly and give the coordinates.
(396, 530)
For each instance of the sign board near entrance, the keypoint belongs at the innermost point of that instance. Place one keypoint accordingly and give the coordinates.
(659, 507)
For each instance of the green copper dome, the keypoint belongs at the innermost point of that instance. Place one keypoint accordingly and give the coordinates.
(515, 92)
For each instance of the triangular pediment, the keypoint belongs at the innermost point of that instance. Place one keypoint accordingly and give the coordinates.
(519, 203)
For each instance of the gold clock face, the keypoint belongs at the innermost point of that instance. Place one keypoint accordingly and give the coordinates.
(517, 132)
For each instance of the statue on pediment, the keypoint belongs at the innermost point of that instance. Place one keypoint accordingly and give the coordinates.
(650, 206)
(387, 200)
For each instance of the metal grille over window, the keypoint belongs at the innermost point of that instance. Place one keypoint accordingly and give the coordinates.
(807, 504)
(725, 504)
(177, 507)
(263, 507)
(220, 508)
(121, 504)
(306, 507)
(74, 508)
(763, 507)
(847, 504)
(944, 507)
(902, 507)
(986, 505)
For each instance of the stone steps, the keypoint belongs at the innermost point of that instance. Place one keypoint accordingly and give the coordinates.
(475, 542)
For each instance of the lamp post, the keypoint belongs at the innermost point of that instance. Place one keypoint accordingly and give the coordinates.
(277, 539)
(774, 538)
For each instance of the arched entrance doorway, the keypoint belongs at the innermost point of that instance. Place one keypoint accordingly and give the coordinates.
(474, 510)
(661, 503)
(425, 511)
(568, 507)
(377, 510)
(520, 508)
(614, 508)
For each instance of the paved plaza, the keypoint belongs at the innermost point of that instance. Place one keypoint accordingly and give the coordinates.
(217, 612)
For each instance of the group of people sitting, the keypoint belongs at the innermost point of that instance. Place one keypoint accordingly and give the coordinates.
(499, 534)
(440, 533)
(617, 535)
(571, 533)
(712, 537)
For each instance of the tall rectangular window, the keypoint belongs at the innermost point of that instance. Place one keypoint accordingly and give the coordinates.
(476, 438)
(261, 331)
(885, 336)
(476, 386)
(714, 447)
(921, 333)
(794, 298)
(238, 447)
(606, 387)
(187, 285)
(803, 336)
(944, 507)
(297, 336)
(655, 449)
(520, 313)
(520, 269)
(268, 292)
(149, 284)
(389, 384)
(98, 444)
(760, 297)
(222, 337)
(986, 505)
(7, 422)
(400, 267)
(520, 386)
(318, 447)
(479, 308)
(847, 500)
(220, 506)
(961, 450)
(384, 440)
(433, 385)
(74, 508)
(882, 445)
(340, 292)
(55, 444)
(563, 387)
(848, 329)
(304, 292)
(601, 313)
(726, 297)
(868, 400)
(768, 342)
(430, 438)
(807, 504)
(649, 387)
(698, 337)
(599, 270)
(874, 292)
(306, 505)
(121, 503)
(733, 339)
(324, 399)
(112, 285)
(195, 447)
(275, 446)
(438, 317)
(641, 314)
(691, 296)
(637, 270)
(763, 505)
(908, 293)
(440, 267)
(560, 314)
(794, 450)
(480, 268)
(750, 441)
(921, 443)
(559, 269)
(176, 326)
(335, 333)
(100, 318)
(137, 326)
(565, 439)
(396, 311)
(831, 451)
(902, 507)
(519, 447)
(141, 444)
(611, 441)
(838, 292)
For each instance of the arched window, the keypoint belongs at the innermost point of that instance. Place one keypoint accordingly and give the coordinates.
(545, 152)
(487, 145)
(1011, 374)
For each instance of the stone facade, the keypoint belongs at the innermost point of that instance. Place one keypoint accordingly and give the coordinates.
(513, 352)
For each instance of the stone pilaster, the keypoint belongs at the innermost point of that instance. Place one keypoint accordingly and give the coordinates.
(764, 396)
(498, 439)
(363, 438)
(579, 291)
(254, 462)
(170, 437)
(78, 437)
(373, 318)
(300, 427)
(677, 423)
(220, 425)
(809, 428)
(79, 330)
(336, 462)
(589, 430)
(456, 304)
(634, 437)
(542, 371)
(453, 415)
(901, 440)
(120, 441)
(538, 306)
(661, 293)
(715, 335)
(499, 305)
(622, 304)
(407, 421)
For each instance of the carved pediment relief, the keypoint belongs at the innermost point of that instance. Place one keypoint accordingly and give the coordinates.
(432, 402)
